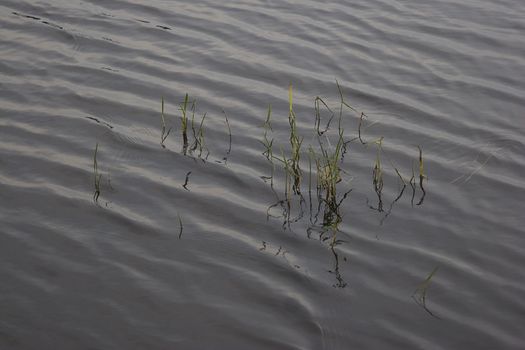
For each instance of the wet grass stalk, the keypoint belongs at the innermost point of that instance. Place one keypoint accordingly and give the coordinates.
(97, 176)
(164, 131)
(184, 121)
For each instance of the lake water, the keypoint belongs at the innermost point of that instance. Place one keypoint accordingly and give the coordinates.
(198, 247)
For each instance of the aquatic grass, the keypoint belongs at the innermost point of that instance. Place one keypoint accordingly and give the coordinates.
(97, 176)
(164, 133)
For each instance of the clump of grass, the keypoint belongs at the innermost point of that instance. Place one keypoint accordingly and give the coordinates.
(420, 294)
(164, 131)
(328, 176)
(97, 176)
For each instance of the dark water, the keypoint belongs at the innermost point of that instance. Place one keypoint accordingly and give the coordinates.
(75, 274)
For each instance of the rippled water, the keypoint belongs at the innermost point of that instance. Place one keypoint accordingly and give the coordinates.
(155, 265)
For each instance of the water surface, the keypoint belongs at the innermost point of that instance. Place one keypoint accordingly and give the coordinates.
(118, 274)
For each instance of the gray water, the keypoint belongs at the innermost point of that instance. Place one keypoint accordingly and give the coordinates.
(154, 265)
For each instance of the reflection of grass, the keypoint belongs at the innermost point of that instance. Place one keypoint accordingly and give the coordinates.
(267, 143)
(164, 133)
(377, 175)
(295, 143)
(181, 228)
(420, 294)
(96, 175)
